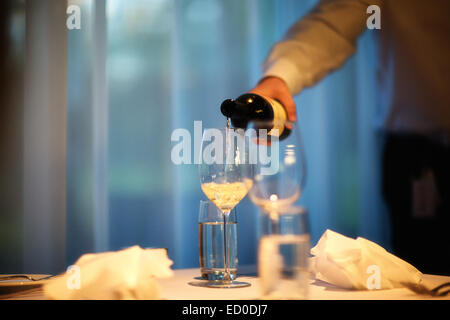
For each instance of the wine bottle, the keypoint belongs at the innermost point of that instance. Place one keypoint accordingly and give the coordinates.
(253, 107)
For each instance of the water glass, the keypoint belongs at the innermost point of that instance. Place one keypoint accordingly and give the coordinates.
(211, 242)
(283, 254)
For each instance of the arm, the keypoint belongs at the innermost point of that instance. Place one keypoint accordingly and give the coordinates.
(316, 45)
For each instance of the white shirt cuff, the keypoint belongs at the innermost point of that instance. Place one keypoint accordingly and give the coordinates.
(287, 71)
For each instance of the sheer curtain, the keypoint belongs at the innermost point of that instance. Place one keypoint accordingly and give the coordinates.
(138, 69)
(169, 63)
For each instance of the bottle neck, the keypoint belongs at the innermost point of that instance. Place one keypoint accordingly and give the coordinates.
(231, 108)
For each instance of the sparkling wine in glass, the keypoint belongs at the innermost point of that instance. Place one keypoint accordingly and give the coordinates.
(226, 176)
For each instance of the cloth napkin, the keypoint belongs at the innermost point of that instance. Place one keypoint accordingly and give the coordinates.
(130, 273)
(359, 264)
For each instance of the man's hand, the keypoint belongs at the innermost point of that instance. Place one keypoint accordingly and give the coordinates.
(275, 88)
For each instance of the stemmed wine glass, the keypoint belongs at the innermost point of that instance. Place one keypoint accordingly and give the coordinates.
(226, 176)
(280, 169)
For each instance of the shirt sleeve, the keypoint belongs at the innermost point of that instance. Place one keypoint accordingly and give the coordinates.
(318, 43)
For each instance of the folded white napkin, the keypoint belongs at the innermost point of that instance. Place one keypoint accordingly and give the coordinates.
(359, 264)
(126, 274)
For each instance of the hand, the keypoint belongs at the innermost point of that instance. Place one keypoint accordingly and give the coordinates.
(275, 88)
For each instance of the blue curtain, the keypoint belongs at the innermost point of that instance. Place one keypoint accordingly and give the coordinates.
(169, 63)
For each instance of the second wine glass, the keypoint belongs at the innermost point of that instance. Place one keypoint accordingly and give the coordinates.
(280, 169)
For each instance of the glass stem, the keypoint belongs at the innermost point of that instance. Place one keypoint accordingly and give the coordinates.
(275, 222)
(226, 254)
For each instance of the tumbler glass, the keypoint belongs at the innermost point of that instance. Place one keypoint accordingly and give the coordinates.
(211, 242)
(283, 254)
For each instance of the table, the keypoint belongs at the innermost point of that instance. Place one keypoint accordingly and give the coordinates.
(177, 288)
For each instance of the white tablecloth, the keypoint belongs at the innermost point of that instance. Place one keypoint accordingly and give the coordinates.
(177, 288)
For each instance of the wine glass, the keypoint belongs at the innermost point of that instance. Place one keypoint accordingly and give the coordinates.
(280, 168)
(226, 177)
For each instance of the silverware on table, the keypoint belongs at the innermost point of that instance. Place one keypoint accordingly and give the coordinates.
(24, 276)
(440, 291)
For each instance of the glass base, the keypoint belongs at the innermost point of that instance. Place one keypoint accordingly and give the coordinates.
(217, 274)
(220, 284)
